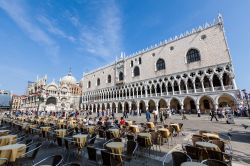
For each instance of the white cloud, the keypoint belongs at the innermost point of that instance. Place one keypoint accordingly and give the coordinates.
(104, 38)
(17, 13)
(52, 28)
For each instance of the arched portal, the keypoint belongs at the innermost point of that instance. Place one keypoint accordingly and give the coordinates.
(119, 107)
(113, 107)
(151, 105)
(189, 105)
(133, 105)
(126, 107)
(103, 106)
(94, 108)
(162, 105)
(206, 104)
(226, 100)
(175, 104)
(142, 106)
(108, 106)
(51, 100)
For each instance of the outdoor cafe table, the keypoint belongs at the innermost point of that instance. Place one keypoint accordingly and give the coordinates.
(129, 122)
(81, 139)
(207, 145)
(7, 139)
(61, 132)
(91, 129)
(164, 132)
(116, 147)
(46, 129)
(191, 163)
(150, 125)
(134, 128)
(115, 132)
(147, 137)
(12, 152)
(4, 132)
(211, 135)
(175, 126)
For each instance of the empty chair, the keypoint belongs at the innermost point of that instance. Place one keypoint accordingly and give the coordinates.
(130, 137)
(213, 162)
(92, 154)
(130, 150)
(91, 141)
(110, 159)
(54, 160)
(193, 152)
(179, 157)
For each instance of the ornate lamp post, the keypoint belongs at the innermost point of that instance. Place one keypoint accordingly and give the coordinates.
(246, 97)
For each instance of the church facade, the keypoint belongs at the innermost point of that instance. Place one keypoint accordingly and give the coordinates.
(63, 96)
(191, 71)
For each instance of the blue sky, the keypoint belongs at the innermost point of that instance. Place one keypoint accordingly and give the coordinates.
(48, 36)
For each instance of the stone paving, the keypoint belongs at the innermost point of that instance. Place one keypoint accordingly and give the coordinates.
(239, 135)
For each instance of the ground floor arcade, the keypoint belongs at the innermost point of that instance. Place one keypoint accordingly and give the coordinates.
(189, 103)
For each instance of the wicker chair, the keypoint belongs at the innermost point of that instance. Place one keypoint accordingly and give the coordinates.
(193, 152)
(110, 159)
(56, 160)
(179, 158)
(92, 154)
(213, 162)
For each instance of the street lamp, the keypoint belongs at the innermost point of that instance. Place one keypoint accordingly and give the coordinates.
(246, 97)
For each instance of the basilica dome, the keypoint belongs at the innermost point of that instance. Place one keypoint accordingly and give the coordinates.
(68, 79)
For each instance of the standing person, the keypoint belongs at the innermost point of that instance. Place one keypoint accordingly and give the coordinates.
(155, 115)
(199, 112)
(161, 115)
(148, 116)
(113, 114)
(140, 112)
(213, 115)
(98, 113)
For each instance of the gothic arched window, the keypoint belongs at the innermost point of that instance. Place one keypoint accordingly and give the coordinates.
(193, 55)
(136, 71)
(109, 78)
(89, 84)
(160, 64)
(98, 81)
(121, 76)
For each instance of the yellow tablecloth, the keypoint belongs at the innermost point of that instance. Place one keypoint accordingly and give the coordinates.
(147, 136)
(129, 122)
(61, 132)
(12, 152)
(176, 126)
(164, 132)
(207, 145)
(150, 125)
(8, 139)
(134, 128)
(81, 139)
(115, 132)
(211, 135)
(91, 129)
(45, 129)
(4, 132)
(116, 147)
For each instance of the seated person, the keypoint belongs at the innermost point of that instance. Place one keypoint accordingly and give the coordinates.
(122, 121)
